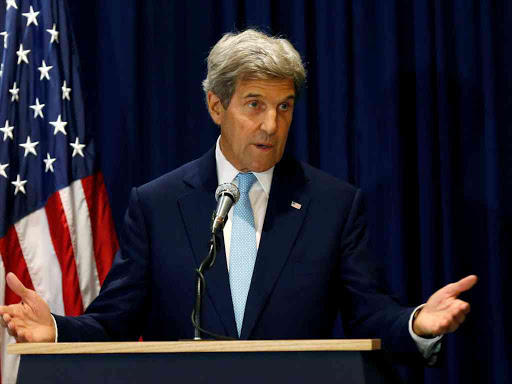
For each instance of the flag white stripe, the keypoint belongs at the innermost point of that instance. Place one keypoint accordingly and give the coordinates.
(42, 262)
(77, 215)
(10, 363)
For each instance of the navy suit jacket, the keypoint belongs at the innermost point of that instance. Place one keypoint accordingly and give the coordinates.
(312, 263)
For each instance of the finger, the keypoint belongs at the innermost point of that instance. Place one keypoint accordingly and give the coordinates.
(461, 317)
(11, 329)
(16, 285)
(21, 338)
(10, 311)
(459, 306)
(5, 309)
(455, 320)
(462, 285)
(6, 318)
(453, 327)
(16, 311)
(457, 314)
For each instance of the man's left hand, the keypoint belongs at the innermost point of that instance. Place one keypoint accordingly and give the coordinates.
(443, 312)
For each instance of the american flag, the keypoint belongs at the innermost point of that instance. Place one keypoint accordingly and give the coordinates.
(56, 229)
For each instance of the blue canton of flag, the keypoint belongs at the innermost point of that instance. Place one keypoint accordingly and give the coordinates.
(43, 142)
(56, 229)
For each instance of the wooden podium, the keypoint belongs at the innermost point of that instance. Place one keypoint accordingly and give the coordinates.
(247, 362)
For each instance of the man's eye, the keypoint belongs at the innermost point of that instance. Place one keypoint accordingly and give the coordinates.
(284, 107)
(253, 104)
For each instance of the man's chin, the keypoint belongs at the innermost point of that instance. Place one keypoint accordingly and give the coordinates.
(259, 168)
(260, 163)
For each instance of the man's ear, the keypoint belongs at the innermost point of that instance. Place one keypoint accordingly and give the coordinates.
(215, 108)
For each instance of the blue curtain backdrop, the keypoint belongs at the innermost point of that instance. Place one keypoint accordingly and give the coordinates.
(409, 100)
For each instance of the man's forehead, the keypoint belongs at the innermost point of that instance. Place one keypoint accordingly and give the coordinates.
(283, 88)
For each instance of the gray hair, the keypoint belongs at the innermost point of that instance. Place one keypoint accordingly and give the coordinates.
(251, 55)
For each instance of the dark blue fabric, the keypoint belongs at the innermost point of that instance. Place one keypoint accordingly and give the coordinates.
(411, 101)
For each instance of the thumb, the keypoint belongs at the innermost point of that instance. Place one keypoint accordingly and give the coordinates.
(463, 285)
(16, 285)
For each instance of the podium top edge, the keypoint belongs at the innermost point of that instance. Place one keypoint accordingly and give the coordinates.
(195, 346)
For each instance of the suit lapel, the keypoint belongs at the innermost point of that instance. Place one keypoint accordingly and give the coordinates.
(196, 208)
(280, 230)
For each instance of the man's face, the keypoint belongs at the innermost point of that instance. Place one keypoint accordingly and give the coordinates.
(254, 127)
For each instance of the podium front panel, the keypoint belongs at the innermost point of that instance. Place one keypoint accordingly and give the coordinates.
(348, 367)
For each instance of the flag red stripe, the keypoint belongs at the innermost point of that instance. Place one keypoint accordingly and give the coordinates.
(61, 239)
(102, 225)
(13, 259)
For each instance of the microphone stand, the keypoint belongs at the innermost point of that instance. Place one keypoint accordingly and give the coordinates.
(201, 284)
(200, 287)
(226, 195)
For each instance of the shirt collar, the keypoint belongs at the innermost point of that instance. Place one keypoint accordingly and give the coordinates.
(226, 172)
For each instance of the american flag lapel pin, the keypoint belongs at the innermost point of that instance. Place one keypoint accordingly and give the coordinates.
(296, 205)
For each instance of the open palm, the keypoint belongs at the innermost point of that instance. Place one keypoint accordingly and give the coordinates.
(30, 320)
(444, 312)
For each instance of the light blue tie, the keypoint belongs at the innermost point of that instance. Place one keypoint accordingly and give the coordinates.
(243, 248)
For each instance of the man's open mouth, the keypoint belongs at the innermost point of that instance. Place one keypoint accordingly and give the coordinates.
(264, 146)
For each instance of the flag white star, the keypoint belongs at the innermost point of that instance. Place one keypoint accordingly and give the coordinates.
(59, 126)
(5, 35)
(29, 147)
(11, 3)
(38, 108)
(7, 131)
(2, 170)
(20, 185)
(22, 55)
(77, 148)
(15, 93)
(65, 92)
(54, 33)
(31, 16)
(45, 71)
(49, 163)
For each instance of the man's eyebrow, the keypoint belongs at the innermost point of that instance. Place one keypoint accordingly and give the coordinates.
(290, 97)
(252, 95)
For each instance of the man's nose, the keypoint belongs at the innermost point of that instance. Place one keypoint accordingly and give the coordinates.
(269, 124)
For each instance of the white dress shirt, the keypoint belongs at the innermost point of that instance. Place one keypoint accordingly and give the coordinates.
(258, 195)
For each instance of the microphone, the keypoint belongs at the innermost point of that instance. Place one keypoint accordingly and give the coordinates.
(226, 195)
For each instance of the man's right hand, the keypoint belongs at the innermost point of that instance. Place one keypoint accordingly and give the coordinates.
(30, 320)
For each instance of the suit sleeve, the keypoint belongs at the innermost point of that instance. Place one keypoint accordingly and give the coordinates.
(118, 313)
(368, 311)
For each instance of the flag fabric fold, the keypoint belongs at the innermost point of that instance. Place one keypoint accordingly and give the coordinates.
(56, 229)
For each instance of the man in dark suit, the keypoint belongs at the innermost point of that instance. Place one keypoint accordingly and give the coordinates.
(295, 250)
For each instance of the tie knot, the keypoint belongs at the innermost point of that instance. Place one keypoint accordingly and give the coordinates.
(245, 182)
